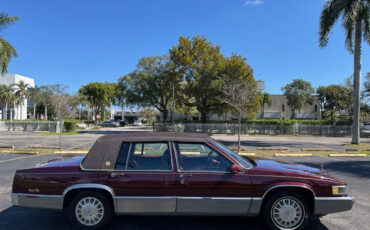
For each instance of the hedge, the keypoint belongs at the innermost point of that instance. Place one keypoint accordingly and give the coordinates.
(70, 126)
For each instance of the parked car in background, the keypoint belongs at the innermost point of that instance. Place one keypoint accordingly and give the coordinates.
(137, 123)
(177, 174)
(109, 124)
(122, 123)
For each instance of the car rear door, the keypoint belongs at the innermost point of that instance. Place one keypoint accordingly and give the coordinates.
(144, 180)
(205, 183)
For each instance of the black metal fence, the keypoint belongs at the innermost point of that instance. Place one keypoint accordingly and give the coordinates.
(28, 126)
(260, 129)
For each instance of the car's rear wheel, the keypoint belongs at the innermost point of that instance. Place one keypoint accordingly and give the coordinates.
(286, 211)
(90, 210)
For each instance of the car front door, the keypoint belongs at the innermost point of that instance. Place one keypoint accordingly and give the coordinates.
(144, 180)
(206, 184)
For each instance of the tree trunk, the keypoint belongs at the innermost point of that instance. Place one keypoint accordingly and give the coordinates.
(60, 134)
(122, 115)
(293, 114)
(239, 127)
(165, 116)
(34, 110)
(6, 110)
(46, 112)
(74, 113)
(357, 85)
(21, 114)
(14, 105)
(204, 117)
(79, 114)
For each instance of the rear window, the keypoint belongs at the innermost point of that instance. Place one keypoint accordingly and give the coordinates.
(143, 156)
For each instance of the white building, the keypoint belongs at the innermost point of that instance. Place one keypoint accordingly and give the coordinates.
(20, 111)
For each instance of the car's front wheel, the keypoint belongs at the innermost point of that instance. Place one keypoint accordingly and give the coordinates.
(286, 211)
(90, 210)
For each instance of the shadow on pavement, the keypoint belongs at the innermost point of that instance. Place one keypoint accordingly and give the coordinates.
(16, 218)
(356, 168)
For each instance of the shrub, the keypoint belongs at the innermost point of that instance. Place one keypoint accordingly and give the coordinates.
(70, 126)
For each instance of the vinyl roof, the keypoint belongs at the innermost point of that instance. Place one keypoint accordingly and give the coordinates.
(106, 148)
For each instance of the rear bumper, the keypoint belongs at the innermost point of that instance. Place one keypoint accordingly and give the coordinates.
(38, 201)
(326, 205)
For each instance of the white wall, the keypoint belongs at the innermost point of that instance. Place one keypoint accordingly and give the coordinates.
(9, 79)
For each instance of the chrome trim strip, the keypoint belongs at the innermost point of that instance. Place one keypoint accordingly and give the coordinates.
(94, 186)
(294, 186)
(325, 205)
(38, 201)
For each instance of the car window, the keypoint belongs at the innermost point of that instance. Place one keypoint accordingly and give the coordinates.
(145, 157)
(201, 157)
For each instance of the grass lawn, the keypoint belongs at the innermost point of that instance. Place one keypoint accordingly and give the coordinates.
(360, 147)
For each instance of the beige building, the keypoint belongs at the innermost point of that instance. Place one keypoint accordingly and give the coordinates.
(279, 109)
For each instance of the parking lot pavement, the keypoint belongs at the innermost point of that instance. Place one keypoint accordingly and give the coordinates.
(356, 171)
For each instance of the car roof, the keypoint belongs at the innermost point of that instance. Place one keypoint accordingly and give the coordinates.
(106, 148)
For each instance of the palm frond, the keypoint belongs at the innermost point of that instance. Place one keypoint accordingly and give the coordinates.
(349, 25)
(365, 15)
(332, 11)
(5, 20)
(7, 51)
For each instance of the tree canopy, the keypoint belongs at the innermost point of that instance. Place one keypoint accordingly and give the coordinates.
(298, 93)
(7, 51)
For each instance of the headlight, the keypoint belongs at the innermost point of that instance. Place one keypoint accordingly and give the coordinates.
(339, 190)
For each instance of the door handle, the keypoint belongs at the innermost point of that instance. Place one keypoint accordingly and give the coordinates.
(114, 174)
(183, 178)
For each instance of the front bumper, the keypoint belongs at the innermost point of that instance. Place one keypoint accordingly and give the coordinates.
(37, 201)
(326, 205)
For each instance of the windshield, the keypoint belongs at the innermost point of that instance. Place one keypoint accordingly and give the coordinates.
(239, 158)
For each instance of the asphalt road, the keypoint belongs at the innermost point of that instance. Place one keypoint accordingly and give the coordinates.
(356, 171)
(87, 139)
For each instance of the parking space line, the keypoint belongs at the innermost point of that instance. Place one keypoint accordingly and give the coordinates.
(18, 158)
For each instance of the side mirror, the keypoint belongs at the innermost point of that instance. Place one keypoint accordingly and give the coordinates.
(235, 169)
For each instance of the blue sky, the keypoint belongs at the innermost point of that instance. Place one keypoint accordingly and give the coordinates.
(73, 42)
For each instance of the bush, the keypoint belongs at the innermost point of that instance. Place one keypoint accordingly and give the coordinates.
(89, 122)
(267, 122)
(70, 126)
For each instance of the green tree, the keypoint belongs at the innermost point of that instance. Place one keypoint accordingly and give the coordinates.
(201, 64)
(21, 93)
(333, 99)
(150, 85)
(239, 89)
(35, 95)
(149, 114)
(266, 99)
(7, 96)
(298, 93)
(7, 51)
(121, 96)
(356, 22)
(99, 95)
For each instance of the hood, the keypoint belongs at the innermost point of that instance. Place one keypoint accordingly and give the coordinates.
(278, 166)
(64, 161)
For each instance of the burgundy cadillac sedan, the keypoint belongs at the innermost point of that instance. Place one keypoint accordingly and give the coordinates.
(177, 174)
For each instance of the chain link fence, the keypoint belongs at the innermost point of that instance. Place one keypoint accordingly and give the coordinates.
(258, 129)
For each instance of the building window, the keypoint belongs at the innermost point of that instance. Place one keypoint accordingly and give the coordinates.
(315, 108)
(283, 108)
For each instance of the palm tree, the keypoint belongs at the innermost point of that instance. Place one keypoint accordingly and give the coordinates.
(21, 93)
(356, 22)
(35, 95)
(7, 51)
(6, 95)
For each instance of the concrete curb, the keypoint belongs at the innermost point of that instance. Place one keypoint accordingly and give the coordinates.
(347, 155)
(273, 148)
(293, 154)
(247, 154)
(72, 151)
(8, 151)
(316, 149)
(43, 147)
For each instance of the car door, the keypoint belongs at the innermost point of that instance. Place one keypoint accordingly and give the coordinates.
(206, 184)
(143, 179)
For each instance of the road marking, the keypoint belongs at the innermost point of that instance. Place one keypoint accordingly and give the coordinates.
(18, 158)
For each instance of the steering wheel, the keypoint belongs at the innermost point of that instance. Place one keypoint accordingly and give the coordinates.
(212, 161)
